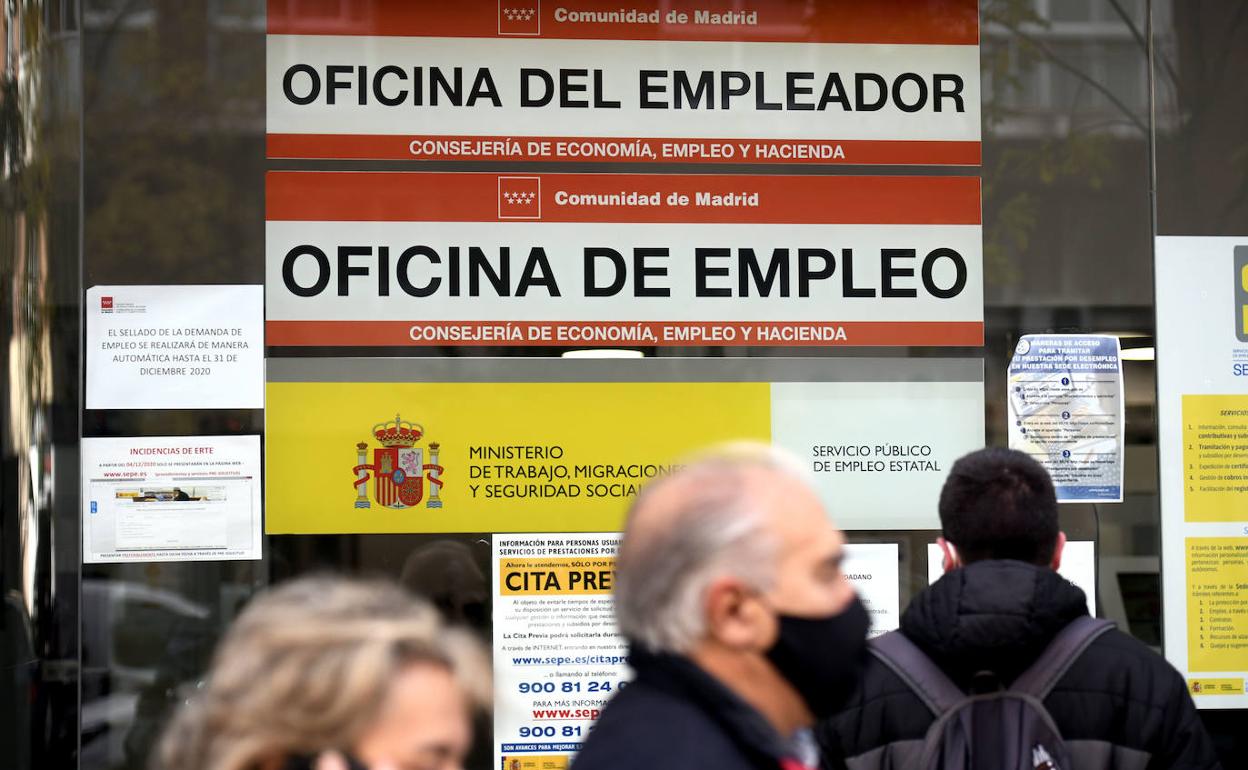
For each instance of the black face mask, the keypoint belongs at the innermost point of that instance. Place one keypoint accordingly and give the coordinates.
(822, 658)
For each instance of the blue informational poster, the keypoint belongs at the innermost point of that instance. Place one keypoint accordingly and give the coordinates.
(1066, 410)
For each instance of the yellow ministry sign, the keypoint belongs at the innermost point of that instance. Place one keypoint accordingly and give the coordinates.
(485, 457)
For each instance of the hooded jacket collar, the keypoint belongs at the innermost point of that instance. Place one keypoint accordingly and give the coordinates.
(991, 616)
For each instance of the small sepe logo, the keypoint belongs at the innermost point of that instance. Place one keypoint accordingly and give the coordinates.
(106, 304)
(519, 17)
(519, 197)
(398, 468)
(1241, 293)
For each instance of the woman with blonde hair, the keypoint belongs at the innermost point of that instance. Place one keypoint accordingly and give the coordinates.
(332, 673)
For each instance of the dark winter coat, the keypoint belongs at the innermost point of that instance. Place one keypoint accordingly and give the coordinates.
(1119, 699)
(675, 716)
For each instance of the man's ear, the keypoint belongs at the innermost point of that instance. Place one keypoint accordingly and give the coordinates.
(1056, 564)
(735, 617)
(951, 560)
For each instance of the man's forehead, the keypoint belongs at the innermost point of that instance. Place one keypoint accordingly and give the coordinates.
(705, 481)
(785, 504)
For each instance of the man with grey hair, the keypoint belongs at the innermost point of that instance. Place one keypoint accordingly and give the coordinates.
(743, 630)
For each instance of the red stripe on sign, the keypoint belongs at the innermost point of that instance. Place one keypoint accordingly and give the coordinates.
(623, 150)
(946, 22)
(315, 196)
(623, 334)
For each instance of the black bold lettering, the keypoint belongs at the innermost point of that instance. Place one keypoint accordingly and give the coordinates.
(332, 83)
(405, 281)
(702, 271)
(917, 104)
(847, 277)
(380, 95)
(383, 271)
(314, 80)
(834, 91)
(760, 99)
(749, 271)
(346, 269)
(959, 280)
(727, 90)
(793, 90)
(599, 99)
(954, 91)
(805, 271)
(592, 289)
(567, 87)
(453, 89)
(641, 271)
(648, 88)
(483, 88)
(479, 264)
(888, 272)
(547, 83)
(860, 92)
(537, 272)
(682, 89)
(322, 267)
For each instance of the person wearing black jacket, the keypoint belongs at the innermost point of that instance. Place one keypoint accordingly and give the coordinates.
(742, 629)
(999, 604)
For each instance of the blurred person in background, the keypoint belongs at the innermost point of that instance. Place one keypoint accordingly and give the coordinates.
(333, 674)
(742, 629)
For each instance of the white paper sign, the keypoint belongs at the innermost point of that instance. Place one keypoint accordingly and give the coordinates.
(170, 498)
(1066, 411)
(1078, 566)
(872, 568)
(175, 347)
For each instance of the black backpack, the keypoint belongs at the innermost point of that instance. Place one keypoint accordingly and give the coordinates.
(1005, 729)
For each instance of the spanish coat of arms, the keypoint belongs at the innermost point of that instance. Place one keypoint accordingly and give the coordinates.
(398, 469)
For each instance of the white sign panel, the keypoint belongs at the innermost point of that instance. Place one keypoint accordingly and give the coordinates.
(1202, 409)
(879, 451)
(655, 82)
(175, 347)
(1065, 397)
(393, 259)
(1078, 566)
(170, 498)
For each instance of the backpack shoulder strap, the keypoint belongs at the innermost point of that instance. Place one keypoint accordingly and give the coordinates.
(920, 674)
(1057, 658)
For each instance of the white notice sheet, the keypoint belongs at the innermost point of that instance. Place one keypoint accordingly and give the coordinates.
(1078, 566)
(175, 347)
(873, 569)
(171, 498)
